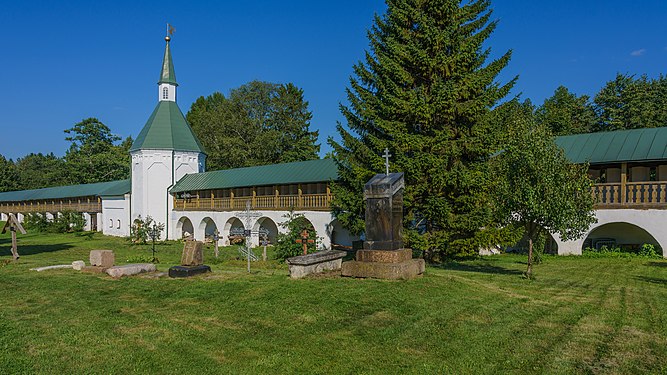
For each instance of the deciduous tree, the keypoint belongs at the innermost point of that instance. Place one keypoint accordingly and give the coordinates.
(537, 188)
(259, 123)
(94, 155)
(566, 113)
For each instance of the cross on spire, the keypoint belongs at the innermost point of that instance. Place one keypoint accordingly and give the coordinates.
(386, 156)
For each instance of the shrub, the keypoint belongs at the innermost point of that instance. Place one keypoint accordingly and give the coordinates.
(286, 245)
(648, 251)
(36, 222)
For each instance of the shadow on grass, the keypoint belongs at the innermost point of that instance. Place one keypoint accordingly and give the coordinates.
(479, 268)
(652, 280)
(658, 264)
(34, 249)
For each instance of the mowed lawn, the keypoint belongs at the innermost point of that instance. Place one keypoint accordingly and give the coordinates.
(579, 316)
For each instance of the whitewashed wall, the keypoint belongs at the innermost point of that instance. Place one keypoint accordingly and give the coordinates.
(652, 221)
(323, 223)
(155, 171)
(115, 217)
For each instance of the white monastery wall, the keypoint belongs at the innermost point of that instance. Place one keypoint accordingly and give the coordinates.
(651, 221)
(115, 217)
(200, 221)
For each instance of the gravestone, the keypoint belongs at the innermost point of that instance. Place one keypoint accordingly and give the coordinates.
(102, 258)
(192, 261)
(383, 255)
(193, 253)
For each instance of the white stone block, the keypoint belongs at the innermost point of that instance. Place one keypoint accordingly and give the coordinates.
(78, 265)
(131, 269)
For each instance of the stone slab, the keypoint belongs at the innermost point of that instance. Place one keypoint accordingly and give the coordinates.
(78, 265)
(187, 271)
(318, 257)
(47, 268)
(102, 258)
(304, 265)
(94, 269)
(384, 256)
(193, 253)
(404, 270)
(130, 269)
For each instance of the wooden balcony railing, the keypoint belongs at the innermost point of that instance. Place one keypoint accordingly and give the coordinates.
(91, 206)
(648, 194)
(310, 202)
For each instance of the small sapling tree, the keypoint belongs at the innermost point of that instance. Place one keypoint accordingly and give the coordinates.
(538, 188)
(154, 232)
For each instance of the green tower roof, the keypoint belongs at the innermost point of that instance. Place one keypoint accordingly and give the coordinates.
(167, 129)
(167, 75)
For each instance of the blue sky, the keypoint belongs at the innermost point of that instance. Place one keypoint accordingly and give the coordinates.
(62, 62)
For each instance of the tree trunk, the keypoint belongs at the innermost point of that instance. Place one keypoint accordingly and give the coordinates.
(529, 272)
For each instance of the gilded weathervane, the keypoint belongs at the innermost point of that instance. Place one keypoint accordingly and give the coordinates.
(170, 31)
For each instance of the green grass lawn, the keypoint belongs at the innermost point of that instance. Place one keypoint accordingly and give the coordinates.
(580, 315)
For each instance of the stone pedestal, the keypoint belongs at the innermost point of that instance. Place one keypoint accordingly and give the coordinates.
(187, 271)
(383, 255)
(408, 269)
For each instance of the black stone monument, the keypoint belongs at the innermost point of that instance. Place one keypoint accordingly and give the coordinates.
(383, 255)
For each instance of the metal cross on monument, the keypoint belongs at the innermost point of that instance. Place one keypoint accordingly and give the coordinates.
(386, 156)
(248, 215)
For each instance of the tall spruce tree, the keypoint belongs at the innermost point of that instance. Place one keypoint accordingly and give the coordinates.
(423, 91)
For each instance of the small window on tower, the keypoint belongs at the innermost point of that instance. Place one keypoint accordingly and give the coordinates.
(165, 93)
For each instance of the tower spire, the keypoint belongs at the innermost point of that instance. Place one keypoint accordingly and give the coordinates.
(167, 83)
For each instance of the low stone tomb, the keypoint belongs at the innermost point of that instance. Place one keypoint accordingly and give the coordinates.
(102, 258)
(191, 261)
(304, 265)
(130, 269)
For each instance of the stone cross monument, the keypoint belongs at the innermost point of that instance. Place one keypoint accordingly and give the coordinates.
(383, 255)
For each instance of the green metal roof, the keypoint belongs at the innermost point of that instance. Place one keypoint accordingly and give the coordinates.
(168, 74)
(167, 129)
(100, 189)
(276, 174)
(648, 144)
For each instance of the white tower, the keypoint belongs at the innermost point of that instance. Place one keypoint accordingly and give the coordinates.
(165, 150)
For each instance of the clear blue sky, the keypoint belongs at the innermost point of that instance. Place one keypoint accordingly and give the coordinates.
(62, 62)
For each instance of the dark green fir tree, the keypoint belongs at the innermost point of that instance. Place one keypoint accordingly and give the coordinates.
(423, 91)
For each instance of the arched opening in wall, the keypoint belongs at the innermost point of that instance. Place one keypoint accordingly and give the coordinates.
(340, 237)
(267, 229)
(624, 236)
(207, 227)
(234, 231)
(185, 228)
